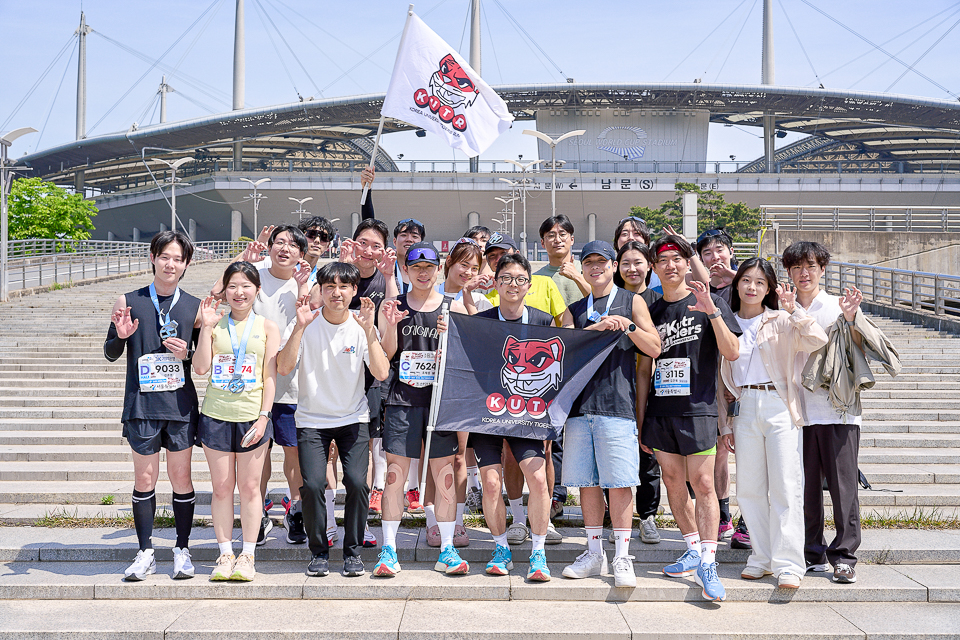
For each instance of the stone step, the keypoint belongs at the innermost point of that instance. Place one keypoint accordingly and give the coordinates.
(910, 440)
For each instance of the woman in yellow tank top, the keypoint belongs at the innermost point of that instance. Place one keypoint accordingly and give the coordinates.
(239, 351)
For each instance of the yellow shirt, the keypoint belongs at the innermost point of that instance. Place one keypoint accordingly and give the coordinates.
(236, 407)
(543, 295)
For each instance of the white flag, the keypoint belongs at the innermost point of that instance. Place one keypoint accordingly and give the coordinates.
(435, 89)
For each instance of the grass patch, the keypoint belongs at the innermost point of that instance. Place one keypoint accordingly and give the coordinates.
(61, 518)
(107, 500)
(929, 520)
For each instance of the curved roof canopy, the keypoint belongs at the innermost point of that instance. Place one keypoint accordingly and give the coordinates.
(328, 134)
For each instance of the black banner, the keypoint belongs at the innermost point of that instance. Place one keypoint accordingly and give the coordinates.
(512, 379)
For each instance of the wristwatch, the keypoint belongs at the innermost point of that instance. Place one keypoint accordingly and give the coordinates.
(716, 314)
(267, 414)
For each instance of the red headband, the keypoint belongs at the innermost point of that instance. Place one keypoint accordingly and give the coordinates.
(669, 246)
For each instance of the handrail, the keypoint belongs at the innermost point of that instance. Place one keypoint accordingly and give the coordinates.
(920, 218)
(935, 293)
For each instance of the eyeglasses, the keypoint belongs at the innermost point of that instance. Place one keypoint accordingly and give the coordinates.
(518, 280)
(634, 219)
(422, 253)
(313, 234)
(712, 233)
(562, 235)
(282, 243)
(466, 241)
(410, 221)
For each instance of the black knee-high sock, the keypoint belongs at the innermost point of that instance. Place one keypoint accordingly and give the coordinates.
(183, 505)
(724, 509)
(144, 508)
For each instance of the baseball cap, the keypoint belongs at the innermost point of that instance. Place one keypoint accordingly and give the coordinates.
(499, 241)
(600, 248)
(422, 252)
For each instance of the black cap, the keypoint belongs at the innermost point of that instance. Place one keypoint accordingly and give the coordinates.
(422, 252)
(499, 241)
(600, 248)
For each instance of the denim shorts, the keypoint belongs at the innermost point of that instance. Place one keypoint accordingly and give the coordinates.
(600, 451)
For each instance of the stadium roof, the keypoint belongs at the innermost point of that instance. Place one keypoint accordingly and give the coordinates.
(331, 132)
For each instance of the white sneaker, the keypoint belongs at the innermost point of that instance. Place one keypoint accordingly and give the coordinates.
(587, 564)
(143, 565)
(752, 572)
(553, 536)
(623, 573)
(648, 531)
(788, 580)
(182, 564)
(517, 533)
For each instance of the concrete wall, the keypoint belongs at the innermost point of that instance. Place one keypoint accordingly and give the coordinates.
(931, 252)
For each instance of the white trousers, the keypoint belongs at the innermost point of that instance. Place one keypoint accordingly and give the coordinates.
(770, 481)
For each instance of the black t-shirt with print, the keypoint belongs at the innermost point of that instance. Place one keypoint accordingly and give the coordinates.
(534, 316)
(686, 334)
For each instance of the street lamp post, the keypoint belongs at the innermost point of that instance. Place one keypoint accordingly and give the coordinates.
(256, 196)
(300, 202)
(5, 180)
(523, 194)
(508, 202)
(173, 186)
(553, 159)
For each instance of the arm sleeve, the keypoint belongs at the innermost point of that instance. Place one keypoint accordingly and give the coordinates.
(366, 209)
(113, 346)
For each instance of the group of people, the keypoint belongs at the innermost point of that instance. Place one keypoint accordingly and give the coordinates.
(336, 362)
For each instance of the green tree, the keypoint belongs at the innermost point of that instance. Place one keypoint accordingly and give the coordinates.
(39, 209)
(740, 221)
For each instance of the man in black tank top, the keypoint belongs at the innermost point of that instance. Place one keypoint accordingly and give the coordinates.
(410, 327)
(156, 326)
(601, 450)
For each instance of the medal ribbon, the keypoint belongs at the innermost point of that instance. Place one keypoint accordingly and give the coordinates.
(592, 315)
(239, 351)
(156, 303)
(524, 319)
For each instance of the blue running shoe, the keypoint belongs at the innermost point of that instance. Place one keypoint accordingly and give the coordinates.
(707, 578)
(451, 563)
(267, 504)
(387, 566)
(686, 565)
(501, 563)
(538, 567)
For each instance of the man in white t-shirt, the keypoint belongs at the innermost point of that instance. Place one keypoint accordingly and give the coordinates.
(831, 441)
(333, 346)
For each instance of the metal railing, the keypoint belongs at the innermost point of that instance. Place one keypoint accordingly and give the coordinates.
(935, 293)
(862, 218)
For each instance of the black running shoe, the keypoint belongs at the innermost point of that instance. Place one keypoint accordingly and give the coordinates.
(319, 566)
(295, 531)
(266, 525)
(352, 566)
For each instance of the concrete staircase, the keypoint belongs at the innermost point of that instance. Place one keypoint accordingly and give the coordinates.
(61, 451)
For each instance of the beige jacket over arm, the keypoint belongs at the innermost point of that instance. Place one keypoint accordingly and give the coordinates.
(780, 337)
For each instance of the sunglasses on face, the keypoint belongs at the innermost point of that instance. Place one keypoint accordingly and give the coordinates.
(313, 234)
(422, 254)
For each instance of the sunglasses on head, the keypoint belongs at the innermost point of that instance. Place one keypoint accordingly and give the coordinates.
(466, 241)
(634, 219)
(410, 221)
(711, 233)
(422, 253)
(313, 234)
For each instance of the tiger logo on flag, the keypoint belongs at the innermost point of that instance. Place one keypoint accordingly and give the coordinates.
(450, 88)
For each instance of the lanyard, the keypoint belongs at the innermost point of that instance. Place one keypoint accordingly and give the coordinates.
(156, 303)
(239, 350)
(524, 319)
(402, 287)
(592, 315)
(442, 291)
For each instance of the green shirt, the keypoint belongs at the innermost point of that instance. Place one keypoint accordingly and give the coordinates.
(569, 290)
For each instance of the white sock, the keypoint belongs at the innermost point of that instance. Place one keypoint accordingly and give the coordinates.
(693, 541)
(516, 509)
(390, 528)
(594, 539)
(379, 464)
(461, 507)
(249, 547)
(538, 541)
(501, 540)
(446, 534)
(622, 539)
(413, 476)
(473, 477)
(708, 552)
(226, 548)
(331, 496)
(431, 512)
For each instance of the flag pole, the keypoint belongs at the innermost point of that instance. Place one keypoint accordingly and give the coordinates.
(435, 396)
(376, 143)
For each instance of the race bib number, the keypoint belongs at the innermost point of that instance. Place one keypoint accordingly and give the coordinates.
(672, 377)
(221, 373)
(160, 372)
(418, 368)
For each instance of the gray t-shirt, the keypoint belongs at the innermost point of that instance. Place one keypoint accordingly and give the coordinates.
(568, 288)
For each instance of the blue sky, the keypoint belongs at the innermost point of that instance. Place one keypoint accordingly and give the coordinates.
(347, 48)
